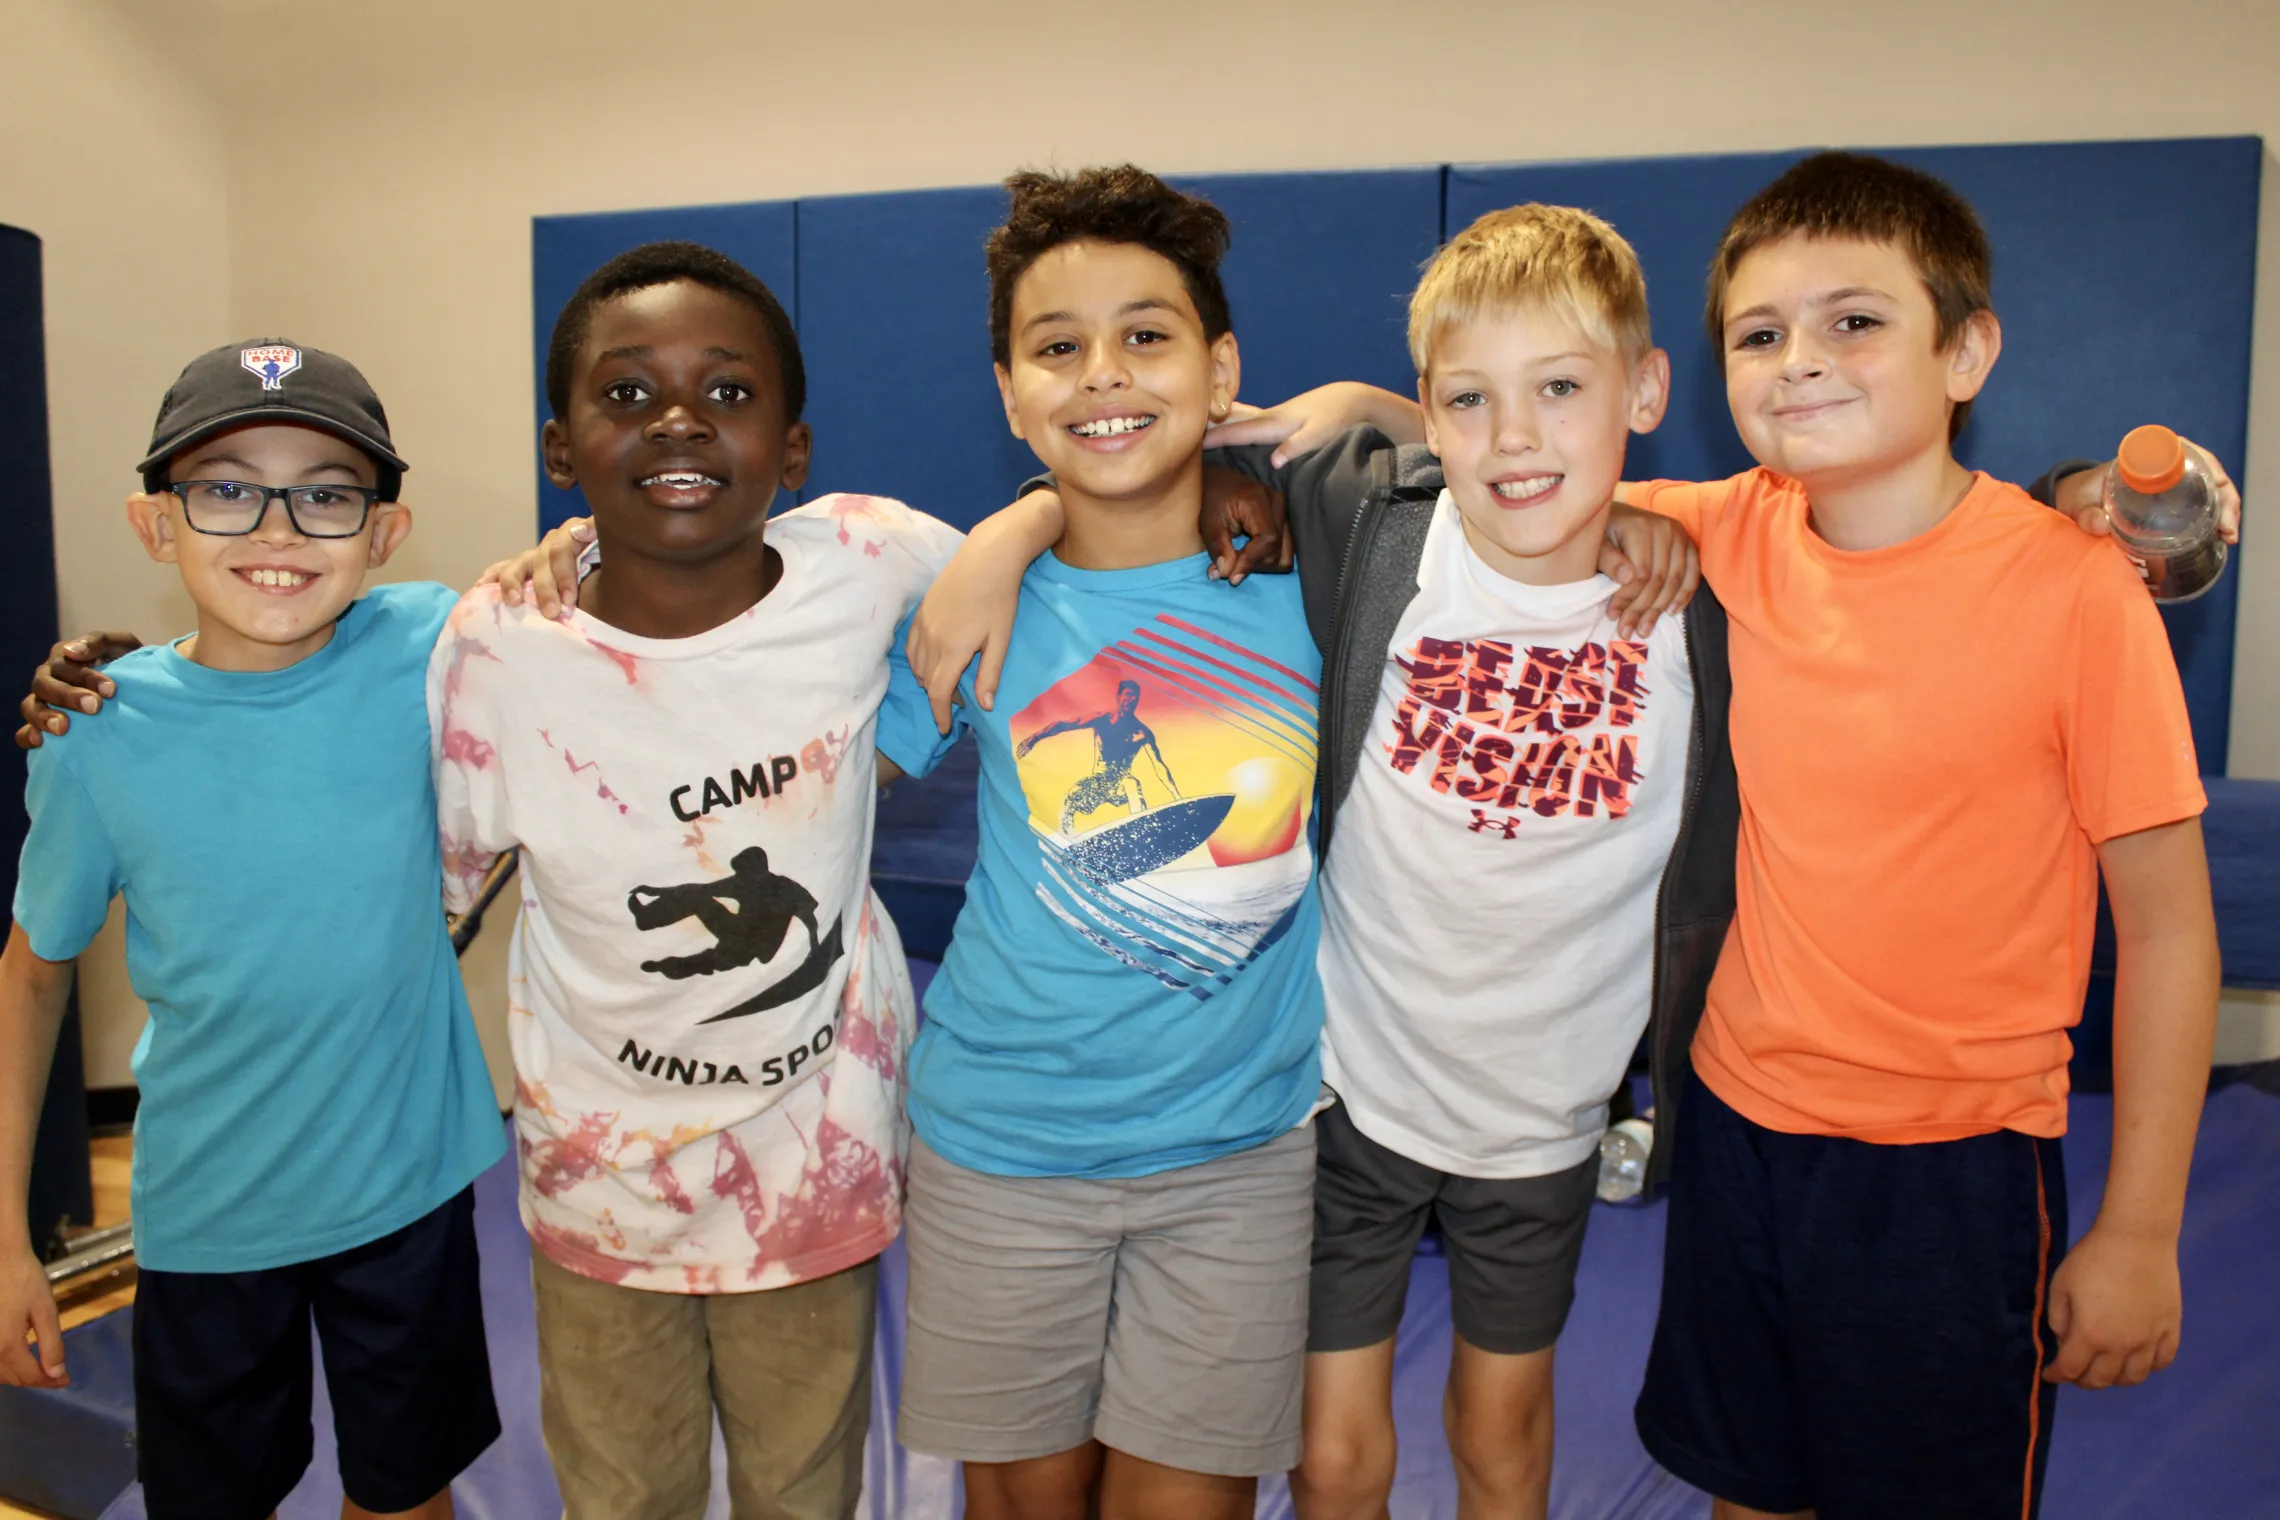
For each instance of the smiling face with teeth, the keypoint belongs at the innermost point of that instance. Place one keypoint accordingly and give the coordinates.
(269, 598)
(1112, 382)
(1530, 418)
(676, 435)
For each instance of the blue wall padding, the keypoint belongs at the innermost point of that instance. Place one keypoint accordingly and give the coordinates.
(926, 841)
(894, 320)
(566, 249)
(27, 523)
(2124, 272)
(1320, 271)
(894, 305)
(2108, 322)
(2242, 828)
(60, 1182)
(2242, 833)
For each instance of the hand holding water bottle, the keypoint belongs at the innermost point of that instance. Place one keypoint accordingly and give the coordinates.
(2085, 496)
(2164, 506)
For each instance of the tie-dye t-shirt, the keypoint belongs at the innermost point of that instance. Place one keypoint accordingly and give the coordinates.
(708, 1008)
(1131, 985)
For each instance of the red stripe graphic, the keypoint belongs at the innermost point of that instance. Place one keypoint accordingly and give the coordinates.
(1181, 651)
(1248, 654)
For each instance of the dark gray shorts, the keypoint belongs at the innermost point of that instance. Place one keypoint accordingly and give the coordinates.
(1512, 1244)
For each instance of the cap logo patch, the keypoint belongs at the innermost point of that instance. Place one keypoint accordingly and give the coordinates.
(272, 362)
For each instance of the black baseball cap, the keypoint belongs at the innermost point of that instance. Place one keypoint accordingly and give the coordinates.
(270, 380)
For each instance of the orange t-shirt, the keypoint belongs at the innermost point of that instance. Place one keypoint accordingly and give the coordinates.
(1931, 739)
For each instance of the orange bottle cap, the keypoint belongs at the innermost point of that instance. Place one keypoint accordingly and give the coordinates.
(2152, 458)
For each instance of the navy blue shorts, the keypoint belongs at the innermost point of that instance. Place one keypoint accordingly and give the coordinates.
(223, 1380)
(1856, 1329)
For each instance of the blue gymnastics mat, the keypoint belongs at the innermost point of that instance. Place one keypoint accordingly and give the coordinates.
(2195, 1440)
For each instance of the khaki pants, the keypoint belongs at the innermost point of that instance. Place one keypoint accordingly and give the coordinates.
(629, 1382)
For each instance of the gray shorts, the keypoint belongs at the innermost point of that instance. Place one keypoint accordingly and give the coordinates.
(1164, 1316)
(1512, 1243)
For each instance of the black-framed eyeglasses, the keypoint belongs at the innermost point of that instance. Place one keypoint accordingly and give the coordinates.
(233, 507)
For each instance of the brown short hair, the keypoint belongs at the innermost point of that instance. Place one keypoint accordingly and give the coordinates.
(1115, 205)
(1854, 195)
(1557, 257)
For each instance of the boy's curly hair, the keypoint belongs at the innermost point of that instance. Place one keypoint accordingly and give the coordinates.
(1109, 205)
(662, 264)
(1874, 200)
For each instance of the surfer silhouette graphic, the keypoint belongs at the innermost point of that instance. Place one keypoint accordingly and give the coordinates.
(748, 912)
(1119, 736)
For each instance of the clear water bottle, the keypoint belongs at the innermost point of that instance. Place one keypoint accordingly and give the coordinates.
(2161, 497)
(1623, 1153)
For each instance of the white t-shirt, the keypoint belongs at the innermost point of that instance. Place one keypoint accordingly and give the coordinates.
(702, 1106)
(1489, 904)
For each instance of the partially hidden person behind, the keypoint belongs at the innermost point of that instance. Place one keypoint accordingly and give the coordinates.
(314, 1103)
(1952, 714)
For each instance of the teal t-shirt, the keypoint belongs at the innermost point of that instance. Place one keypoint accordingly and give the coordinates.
(1130, 986)
(310, 1077)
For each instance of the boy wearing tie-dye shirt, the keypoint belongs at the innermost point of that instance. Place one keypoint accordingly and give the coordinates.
(709, 1011)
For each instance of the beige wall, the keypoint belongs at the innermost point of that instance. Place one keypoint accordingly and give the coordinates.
(384, 200)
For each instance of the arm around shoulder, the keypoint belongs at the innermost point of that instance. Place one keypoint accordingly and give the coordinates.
(969, 610)
(1312, 419)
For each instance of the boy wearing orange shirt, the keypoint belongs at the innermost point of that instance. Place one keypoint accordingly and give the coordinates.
(1951, 712)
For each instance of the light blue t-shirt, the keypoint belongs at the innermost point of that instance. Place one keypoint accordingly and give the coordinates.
(310, 1077)
(1131, 986)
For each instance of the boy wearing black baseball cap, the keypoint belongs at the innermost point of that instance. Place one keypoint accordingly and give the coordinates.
(314, 1103)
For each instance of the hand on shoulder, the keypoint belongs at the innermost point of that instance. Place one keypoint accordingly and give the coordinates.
(70, 680)
(545, 575)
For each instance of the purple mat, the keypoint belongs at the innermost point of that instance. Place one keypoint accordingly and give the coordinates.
(2195, 1440)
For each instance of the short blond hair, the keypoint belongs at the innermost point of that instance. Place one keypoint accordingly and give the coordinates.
(1557, 258)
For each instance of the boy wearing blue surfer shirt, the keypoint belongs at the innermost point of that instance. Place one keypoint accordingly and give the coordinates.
(1110, 1183)
(314, 1103)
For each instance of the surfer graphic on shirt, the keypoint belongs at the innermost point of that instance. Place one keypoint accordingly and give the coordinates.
(1119, 737)
(1177, 846)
